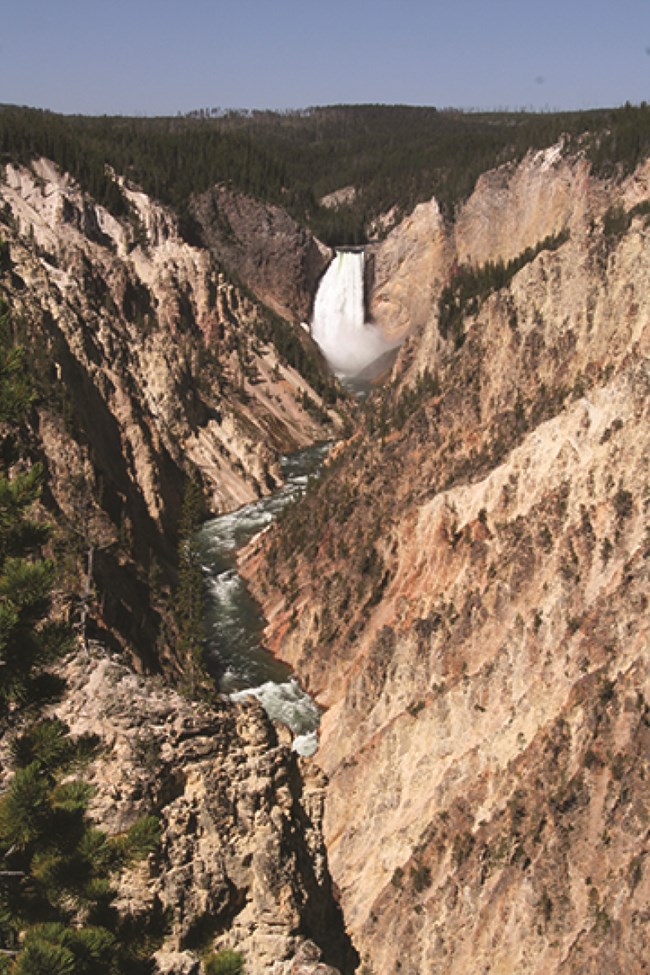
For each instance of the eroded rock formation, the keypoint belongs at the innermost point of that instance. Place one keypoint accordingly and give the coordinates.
(471, 602)
(242, 862)
(151, 364)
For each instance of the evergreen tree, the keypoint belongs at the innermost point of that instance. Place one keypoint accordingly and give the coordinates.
(56, 889)
(56, 867)
(28, 639)
(226, 962)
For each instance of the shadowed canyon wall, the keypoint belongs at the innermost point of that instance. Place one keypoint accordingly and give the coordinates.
(264, 248)
(150, 365)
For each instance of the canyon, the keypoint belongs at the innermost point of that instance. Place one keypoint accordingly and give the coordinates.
(153, 367)
(471, 607)
(464, 591)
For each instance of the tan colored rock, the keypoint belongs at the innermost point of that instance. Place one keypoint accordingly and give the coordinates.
(152, 366)
(473, 614)
(135, 317)
(241, 851)
(409, 268)
(516, 206)
(177, 963)
(511, 208)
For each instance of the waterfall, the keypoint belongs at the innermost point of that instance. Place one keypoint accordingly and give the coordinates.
(348, 342)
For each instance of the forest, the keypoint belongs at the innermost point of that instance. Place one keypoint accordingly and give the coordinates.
(392, 156)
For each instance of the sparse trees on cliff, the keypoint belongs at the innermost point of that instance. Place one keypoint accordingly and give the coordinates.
(56, 910)
(28, 639)
(470, 286)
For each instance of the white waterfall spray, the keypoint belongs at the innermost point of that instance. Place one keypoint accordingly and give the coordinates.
(348, 342)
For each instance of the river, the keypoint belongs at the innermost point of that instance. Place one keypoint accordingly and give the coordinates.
(233, 622)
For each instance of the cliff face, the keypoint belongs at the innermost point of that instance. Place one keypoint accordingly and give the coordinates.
(471, 602)
(241, 862)
(150, 363)
(511, 208)
(264, 247)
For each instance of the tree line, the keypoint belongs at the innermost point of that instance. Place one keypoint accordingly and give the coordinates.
(394, 156)
(470, 285)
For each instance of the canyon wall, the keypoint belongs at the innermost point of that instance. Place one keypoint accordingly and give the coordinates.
(241, 863)
(511, 208)
(151, 366)
(470, 598)
(264, 248)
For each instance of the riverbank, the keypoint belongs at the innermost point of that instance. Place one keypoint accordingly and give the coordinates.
(234, 651)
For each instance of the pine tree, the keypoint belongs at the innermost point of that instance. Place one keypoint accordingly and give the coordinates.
(225, 962)
(54, 949)
(56, 867)
(28, 639)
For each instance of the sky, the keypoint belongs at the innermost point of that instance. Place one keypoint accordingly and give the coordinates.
(161, 57)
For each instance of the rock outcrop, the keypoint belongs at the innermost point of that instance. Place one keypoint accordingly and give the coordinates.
(264, 248)
(241, 862)
(471, 601)
(408, 269)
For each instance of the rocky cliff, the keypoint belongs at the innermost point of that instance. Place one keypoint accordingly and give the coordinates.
(511, 208)
(264, 248)
(150, 365)
(242, 862)
(470, 597)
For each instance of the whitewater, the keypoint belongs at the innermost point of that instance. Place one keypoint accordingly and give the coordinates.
(233, 623)
(349, 343)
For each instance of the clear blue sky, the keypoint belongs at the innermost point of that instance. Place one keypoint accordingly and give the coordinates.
(164, 56)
